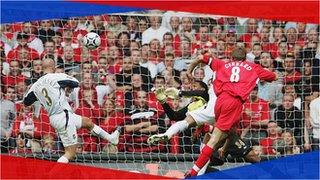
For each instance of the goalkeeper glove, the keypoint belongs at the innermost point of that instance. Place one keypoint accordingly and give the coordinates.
(172, 93)
(161, 96)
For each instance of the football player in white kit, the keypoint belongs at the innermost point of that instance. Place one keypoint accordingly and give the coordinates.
(51, 90)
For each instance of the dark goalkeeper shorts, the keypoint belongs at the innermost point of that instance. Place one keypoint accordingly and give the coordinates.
(237, 149)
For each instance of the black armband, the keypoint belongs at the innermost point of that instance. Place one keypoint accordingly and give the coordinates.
(68, 83)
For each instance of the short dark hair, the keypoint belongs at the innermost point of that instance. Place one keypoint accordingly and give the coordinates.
(203, 85)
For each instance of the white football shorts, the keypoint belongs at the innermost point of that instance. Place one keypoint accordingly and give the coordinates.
(67, 130)
(205, 114)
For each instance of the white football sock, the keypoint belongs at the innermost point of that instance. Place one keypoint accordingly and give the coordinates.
(98, 131)
(177, 127)
(63, 159)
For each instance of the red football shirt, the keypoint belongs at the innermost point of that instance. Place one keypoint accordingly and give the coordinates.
(237, 78)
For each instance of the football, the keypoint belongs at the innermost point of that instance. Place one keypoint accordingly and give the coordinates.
(91, 40)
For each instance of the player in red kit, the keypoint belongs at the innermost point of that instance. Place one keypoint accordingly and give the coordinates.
(233, 84)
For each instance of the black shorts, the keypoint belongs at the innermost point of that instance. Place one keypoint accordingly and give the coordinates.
(237, 149)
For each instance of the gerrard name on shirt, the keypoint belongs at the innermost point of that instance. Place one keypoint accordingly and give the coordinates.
(240, 64)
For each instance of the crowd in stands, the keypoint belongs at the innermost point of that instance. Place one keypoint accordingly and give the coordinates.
(142, 52)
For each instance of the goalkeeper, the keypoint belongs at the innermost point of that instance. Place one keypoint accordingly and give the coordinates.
(196, 113)
(199, 112)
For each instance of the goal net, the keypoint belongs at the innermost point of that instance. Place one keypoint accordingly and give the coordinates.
(140, 52)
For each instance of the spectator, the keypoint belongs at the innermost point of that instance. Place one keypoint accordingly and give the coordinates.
(309, 81)
(33, 42)
(292, 37)
(202, 40)
(168, 43)
(14, 75)
(144, 62)
(123, 43)
(282, 54)
(290, 74)
(274, 132)
(45, 31)
(255, 118)
(255, 53)
(270, 92)
(168, 70)
(251, 29)
(123, 79)
(114, 117)
(8, 114)
(313, 35)
(216, 33)
(21, 146)
(185, 59)
(57, 38)
(231, 38)
(69, 59)
(137, 85)
(187, 28)
(100, 91)
(288, 116)
(68, 40)
(136, 59)
(114, 59)
(132, 26)
(155, 31)
(258, 150)
(48, 144)
(278, 35)
(88, 107)
(10, 93)
(286, 145)
(143, 123)
(114, 25)
(315, 121)
(221, 49)
(265, 42)
(290, 89)
(155, 51)
(175, 30)
(301, 27)
(25, 62)
(142, 26)
(31, 127)
(36, 71)
(233, 23)
(20, 90)
(22, 39)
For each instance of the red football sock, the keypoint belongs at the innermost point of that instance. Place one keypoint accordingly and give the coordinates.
(202, 160)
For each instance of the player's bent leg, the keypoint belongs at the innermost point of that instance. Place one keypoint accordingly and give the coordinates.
(70, 153)
(216, 140)
(98, 131)
(252, 157)
(176, 128)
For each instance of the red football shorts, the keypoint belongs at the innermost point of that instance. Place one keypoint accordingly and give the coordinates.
(228, 111)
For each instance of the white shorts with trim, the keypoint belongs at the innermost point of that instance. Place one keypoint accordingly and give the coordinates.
(68, 135)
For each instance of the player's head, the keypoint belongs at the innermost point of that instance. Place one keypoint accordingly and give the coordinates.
(239, 54)
(48, 65)
(199, 85)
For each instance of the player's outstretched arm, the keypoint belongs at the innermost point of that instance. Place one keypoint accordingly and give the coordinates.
(193, 65)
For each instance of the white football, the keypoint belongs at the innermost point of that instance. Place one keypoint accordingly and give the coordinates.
(91, 40)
